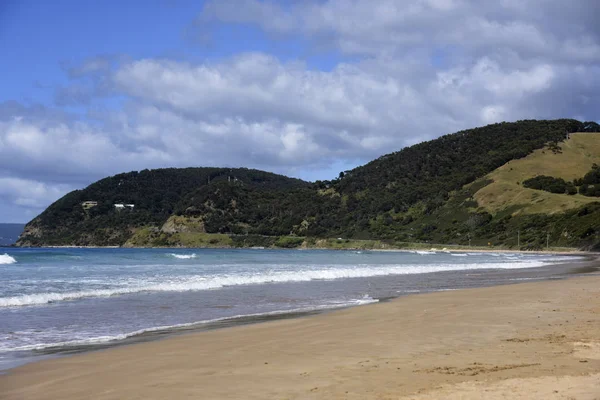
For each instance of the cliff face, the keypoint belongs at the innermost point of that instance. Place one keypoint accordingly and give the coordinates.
(183, 224)
(35, 234)
(177, 231)
(31, 234)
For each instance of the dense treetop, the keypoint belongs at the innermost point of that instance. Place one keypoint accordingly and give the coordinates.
(430, 170)
(550, 184)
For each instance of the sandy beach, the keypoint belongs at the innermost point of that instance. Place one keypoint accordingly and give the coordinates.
(527, 341)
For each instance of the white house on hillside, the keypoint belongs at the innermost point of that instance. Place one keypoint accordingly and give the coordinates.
(120, 206)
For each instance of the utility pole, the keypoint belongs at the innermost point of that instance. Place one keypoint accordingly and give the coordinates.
(547, 241)
(518, 239)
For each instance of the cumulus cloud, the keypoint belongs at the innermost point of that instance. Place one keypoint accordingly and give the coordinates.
(258, 88)
(418, 69)
(30, 194)
(550, 28)
(54, 150)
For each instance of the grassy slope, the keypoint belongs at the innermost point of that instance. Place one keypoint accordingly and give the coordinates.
(578, 155)
(147, 237)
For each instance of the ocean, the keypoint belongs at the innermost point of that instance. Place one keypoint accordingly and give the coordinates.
(59, 301)
(9, 233)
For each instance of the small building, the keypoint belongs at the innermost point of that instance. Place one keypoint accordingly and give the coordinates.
(121, 206)
(89, 204)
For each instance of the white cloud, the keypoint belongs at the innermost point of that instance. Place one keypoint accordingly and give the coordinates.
(487, 75)
(30, 193)
(492, 114)
(418, 69)
(549, 28)
(252, 110)
(257, 86)
(64, 149)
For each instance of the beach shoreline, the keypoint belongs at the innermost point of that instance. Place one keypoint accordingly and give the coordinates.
(422, 247)
(159, 332)
(411, 346)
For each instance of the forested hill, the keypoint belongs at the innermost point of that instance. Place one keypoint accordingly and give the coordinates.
(429, 170)
(393, 198)
(109, 211)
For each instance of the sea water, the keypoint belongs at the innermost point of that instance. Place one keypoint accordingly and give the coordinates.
(56, 301)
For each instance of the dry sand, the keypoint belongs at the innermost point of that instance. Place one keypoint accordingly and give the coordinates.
(528, 341)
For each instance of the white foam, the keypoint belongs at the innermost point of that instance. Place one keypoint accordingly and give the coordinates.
(197, 282)
(561, 258)
(424, 253)
(106, 339)
(183, 256)
(7, 259)
(523, 279)
(459, 255)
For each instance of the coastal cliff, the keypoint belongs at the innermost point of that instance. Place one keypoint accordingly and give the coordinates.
(527, 185)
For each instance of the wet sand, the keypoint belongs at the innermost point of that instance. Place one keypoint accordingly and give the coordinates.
(527, 341)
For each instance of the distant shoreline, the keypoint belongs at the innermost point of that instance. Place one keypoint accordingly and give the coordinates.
(462, 250)
(421, 247)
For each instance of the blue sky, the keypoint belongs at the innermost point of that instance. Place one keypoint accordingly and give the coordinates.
(46, 38)
(303, 88)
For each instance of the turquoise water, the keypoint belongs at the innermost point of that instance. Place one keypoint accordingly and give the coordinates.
(57, 300)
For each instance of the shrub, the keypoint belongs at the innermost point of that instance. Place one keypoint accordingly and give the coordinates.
(289, 242)
(548, 184)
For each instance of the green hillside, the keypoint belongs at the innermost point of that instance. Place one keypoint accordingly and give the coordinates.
(101, 214)
(457, 189)
(574, 159)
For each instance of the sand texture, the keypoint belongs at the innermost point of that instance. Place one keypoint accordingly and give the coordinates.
(527, 341)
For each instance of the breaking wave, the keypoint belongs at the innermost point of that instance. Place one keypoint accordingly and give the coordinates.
(183, 256)
(195, 283)
(6, 259)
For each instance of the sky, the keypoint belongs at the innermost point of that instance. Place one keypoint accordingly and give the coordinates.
(302, 88)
